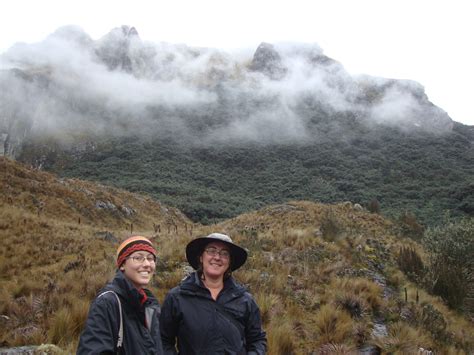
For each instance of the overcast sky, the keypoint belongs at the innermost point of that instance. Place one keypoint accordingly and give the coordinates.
(429, 41)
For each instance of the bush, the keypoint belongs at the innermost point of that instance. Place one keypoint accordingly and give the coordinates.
(374, 206)
(410, 263)
(452, 261)
(408, 226)
(331, 226)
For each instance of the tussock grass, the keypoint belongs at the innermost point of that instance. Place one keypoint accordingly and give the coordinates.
(336, 349)
(314, 294)
(62, 327)
(281, 339)
(357, 290)
(268, 304)
(404, 339)
(332, 326)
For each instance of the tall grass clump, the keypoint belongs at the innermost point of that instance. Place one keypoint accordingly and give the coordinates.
(280, 336)
(410, 263)
(62, 328)
(332, 326)
(267, 303)
(404, 339)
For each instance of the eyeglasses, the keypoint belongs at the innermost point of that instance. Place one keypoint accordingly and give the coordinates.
(140, 259)
(224, 254)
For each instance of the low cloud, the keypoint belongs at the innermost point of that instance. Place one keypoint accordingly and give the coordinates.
(122, 85)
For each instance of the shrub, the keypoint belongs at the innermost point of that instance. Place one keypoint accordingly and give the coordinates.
(449, 283)
(330, 226)
(408, 226)
(410, 263)
(373, 206)
(452, 261)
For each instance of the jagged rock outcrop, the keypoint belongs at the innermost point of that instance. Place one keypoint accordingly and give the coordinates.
(114, 48)
(268, 61)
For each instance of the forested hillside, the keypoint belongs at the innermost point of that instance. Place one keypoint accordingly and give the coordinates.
(390, 170)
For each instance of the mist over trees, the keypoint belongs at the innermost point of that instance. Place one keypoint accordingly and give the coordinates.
(217, 133)
(70, 84)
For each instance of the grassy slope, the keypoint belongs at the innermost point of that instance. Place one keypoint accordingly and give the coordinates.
(321, 273)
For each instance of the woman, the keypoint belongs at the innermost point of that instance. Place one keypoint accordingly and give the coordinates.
(209, 312)
(124, 317)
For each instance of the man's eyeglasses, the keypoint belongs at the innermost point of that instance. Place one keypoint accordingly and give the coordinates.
(140, 259)
(224, 254)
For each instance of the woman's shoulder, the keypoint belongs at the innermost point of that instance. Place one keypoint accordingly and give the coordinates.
(175, 291)
(107, 296)
(186, 286)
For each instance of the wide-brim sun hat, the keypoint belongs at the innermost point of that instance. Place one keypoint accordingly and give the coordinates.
(195, 248)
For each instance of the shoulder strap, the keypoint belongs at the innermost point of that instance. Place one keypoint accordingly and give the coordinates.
(120, 334)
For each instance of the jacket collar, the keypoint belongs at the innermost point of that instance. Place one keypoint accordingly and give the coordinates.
(194, 285)
(122, 285)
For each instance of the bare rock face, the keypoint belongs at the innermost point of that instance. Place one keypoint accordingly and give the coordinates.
(268, 61)
(114, 48)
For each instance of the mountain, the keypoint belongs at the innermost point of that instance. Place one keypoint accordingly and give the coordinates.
(328, 278)
(217, 134)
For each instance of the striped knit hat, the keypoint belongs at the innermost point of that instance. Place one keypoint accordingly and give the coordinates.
(131, 245)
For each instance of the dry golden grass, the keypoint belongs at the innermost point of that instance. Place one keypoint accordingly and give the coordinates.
(315, 292)
(333, 326)
(404, 339)
(281, 340)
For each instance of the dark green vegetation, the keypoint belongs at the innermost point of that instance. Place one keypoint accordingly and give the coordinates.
(419, 172)
(452, 262)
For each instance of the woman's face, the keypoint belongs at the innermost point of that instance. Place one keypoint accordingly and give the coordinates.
(139, 267)
(215, 260)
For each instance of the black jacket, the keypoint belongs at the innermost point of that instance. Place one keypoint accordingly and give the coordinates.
(102, 326)
(230, 325)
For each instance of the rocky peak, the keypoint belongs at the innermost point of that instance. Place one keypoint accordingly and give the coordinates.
(113, 49)
(268, 61)
(73, 34)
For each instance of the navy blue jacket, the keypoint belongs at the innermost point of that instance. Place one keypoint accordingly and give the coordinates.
(100, 334)
(229, 325)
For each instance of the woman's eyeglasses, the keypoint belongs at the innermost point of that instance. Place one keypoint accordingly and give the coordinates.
(224, 254)
(140, 259)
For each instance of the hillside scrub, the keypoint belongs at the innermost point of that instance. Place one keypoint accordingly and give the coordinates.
(451, 269)
(386, 169)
